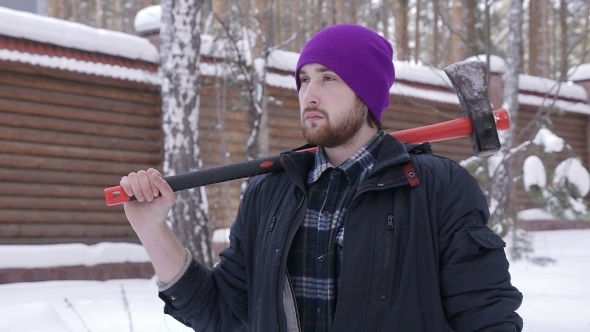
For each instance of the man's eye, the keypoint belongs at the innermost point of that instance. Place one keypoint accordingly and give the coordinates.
(304, 79)
(329, 78)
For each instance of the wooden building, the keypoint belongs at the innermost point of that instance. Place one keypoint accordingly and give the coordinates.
(75, 116)
(79, 108)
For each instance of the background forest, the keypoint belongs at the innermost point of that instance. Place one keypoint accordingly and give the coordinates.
(555, 32)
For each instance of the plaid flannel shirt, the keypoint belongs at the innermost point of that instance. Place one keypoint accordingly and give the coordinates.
(315, 256)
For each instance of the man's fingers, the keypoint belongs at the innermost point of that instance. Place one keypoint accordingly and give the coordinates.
(162, 186)
(126, 185)
(151, 172)
(145, 185)
(135, 187)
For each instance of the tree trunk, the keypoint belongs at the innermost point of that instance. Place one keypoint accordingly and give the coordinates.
(401, 29)
(535, 38)
(117, 16)
(385, 18)
(63, 6)
(319, 15)
(502, 181)
(471, 30)
(180, 56)
(100, 17)
(544, 56)
(563, 63)
(435, 34)
(417, 32)
(352, 10)
(296, 20)
(340, 11)
(75, 9)
(54, 4)
(456, 46)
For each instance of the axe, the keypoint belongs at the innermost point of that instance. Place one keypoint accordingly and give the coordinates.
(479, 122)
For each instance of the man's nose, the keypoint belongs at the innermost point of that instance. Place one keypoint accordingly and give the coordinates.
(311, 95)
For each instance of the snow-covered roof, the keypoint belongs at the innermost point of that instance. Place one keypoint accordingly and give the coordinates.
(551, 87)
(579, 73)
(497, 64)
(81, 66)
(540, 85)
(148, 19)
(18, 24)
(283, 60)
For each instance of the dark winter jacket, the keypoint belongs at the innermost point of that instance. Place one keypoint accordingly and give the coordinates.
(415, 258)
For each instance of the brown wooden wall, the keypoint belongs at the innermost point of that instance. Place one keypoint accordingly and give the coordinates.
(64, 137)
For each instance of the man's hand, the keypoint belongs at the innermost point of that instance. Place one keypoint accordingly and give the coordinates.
(154, 198)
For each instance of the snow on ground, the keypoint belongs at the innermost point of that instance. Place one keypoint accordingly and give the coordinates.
(557, 296)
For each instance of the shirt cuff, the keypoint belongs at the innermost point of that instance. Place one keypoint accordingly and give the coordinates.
(163, 286)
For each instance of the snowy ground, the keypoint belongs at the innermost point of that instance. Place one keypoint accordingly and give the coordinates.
(557, 296)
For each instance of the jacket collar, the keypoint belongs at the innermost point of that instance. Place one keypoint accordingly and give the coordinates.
(391, 153)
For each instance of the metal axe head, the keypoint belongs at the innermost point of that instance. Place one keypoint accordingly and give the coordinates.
(469, 81)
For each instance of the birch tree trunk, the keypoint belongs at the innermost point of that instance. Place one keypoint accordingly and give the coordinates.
(181, 41)
(501, 189)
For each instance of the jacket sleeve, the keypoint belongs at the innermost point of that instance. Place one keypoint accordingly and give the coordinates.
(475, 283)
(215, 300)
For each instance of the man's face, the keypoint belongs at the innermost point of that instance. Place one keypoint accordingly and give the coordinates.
(331, 113)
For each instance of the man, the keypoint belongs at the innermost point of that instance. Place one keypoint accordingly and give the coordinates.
(368, 234)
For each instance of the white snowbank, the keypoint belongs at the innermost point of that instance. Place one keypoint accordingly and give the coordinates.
(54, 255)
(535, 214)
(556, 296)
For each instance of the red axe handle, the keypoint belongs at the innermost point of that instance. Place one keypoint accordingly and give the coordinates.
(462, 127)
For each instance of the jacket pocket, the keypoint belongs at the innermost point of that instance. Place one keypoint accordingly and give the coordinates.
(488, 259)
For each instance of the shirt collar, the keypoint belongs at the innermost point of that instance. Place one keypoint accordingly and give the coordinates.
(353, 166)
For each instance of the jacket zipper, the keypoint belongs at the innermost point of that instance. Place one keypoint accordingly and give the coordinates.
(385, 272)
(270, 228)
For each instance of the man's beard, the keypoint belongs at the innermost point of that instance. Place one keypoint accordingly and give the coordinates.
(330, 134)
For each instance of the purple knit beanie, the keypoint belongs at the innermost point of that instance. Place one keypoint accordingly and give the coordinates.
(361, 57)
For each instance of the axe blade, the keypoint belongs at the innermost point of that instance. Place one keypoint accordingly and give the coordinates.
(469, 80)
